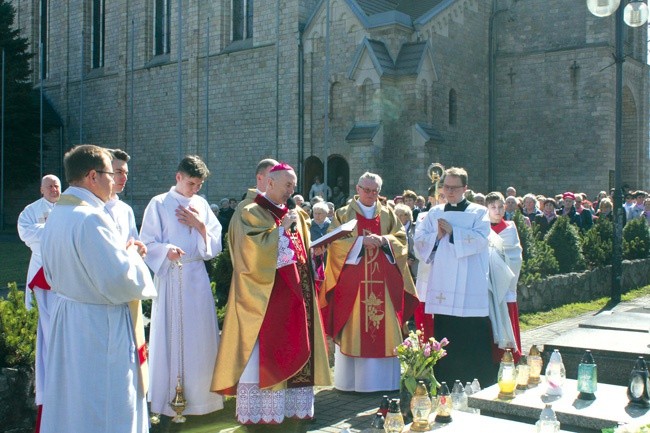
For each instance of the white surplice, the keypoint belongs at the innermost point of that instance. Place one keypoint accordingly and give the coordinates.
(458, 281)
(92, 381)
(183, 315)
(31, 223)
(505, 266)
(124, 219)
(424, 267)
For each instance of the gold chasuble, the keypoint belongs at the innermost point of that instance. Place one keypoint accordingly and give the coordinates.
(278, 307)
(364, 305)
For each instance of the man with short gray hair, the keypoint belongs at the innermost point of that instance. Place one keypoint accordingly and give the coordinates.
(367, 293)
(31, 223)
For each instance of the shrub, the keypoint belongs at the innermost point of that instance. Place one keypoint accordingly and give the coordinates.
(636, 239)
(17, 330)
(564, 239)
(221, 274)
(597, 244)
(525, 235)
(540, 264)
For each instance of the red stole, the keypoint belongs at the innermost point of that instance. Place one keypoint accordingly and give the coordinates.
(39, 280)
(285, 338)
(368, 280)
(499, 227)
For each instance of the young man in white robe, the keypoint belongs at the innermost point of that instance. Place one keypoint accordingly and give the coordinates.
(181, 232)
(453, 237)
(92, 366)
(121, 212)
(124, 219)
(31, 223)
(505, 266)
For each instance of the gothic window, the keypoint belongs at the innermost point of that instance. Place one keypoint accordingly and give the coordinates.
(44, 28)
(367, 93)
(161, 26)
(98, 33)
(453, 107)
(336, 101)
(424, 89)
(242, 19)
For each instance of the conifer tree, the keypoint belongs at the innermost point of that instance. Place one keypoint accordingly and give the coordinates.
(21, 116)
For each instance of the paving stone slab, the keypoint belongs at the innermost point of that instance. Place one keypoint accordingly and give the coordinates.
(615, 352)
(608, 409)
(463, 422)
(644, 310)
(621, 321)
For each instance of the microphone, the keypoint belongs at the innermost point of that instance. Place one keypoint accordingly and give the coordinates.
(291, 204)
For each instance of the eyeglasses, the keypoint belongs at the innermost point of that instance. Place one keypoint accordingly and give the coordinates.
(452, 187)
(110, 173)
(368, 190)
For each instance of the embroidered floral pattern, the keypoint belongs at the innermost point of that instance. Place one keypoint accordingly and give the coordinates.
(286, 256)
(256, 406)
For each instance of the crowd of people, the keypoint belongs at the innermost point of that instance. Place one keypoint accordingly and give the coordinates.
(448, 264)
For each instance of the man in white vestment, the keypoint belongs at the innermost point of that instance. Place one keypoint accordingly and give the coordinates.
(92, 365)
(121, 212)
(180, 232)
(124, 218)
(454, 237)
(31, 223)
(505, 266)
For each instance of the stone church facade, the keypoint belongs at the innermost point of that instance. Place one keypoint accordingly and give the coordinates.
(520, 92)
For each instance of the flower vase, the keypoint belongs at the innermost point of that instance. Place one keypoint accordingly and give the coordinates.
(405, 397)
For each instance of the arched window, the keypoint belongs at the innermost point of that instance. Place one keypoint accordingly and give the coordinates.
(367, 93)
(424, 91)
(453, 107)
(242, 19)
(98, 33)
(336, 100)
(43, 36)
(161, 26)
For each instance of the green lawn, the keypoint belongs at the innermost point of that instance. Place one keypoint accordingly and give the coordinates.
(15, 260)
(533, 320)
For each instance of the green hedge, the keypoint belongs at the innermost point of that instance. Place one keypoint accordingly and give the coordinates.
(17, 330)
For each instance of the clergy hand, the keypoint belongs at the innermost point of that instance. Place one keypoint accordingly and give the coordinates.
(138, 245)
(289, 219)
(174, 254)
(188, 216)
(373, 241)
(319, 251)
(444, 228)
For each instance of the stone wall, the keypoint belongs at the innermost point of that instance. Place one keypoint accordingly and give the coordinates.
(563, 289)
(17, 410)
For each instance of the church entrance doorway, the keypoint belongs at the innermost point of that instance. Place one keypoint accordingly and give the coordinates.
(338, 174)
(313, 167)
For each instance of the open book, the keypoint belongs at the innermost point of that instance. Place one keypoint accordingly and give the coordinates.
(341, 231)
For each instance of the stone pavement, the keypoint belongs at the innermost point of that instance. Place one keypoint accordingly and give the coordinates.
(336, 411)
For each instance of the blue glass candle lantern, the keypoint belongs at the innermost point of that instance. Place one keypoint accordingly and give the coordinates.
(587, 377)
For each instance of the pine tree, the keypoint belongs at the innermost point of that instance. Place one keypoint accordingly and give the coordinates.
(21, 114)
(564, 239)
